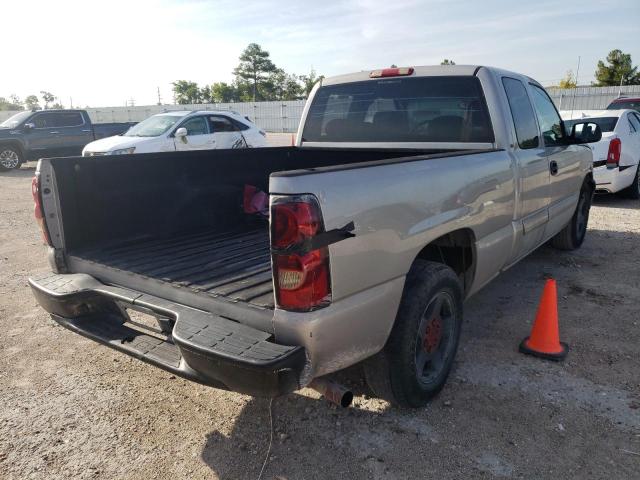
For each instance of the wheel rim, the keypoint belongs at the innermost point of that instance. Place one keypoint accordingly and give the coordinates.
(582, 215)
(434, 342)
(9, 158)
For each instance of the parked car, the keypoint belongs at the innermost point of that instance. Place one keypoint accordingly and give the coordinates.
(50, 133)
(624, 103)
(183, 130)
(409, 189)
(616, 157)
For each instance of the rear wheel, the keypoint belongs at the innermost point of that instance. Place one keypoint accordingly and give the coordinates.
(633, 190)
(415, 363)
(572, 235)
(10, 158)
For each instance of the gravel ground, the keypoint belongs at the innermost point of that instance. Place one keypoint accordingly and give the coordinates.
(73, 409)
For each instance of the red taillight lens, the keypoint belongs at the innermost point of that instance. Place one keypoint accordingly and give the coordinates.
(615, 150)
(302, 280)
(294, 222)
(302, 276)
(391, 72)
(37, 208)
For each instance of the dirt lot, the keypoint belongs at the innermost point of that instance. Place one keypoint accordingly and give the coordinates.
(73, 409)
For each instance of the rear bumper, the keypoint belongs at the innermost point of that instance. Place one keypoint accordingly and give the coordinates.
(612, 180)
(201, 346)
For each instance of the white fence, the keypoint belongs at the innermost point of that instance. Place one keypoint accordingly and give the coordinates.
(280, 117)
(589, 98)
(283, 117)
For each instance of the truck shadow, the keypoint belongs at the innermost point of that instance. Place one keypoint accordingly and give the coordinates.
(307, 434)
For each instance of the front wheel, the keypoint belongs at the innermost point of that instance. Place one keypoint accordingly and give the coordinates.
(415, 362)
(573, 233)
(10, 158)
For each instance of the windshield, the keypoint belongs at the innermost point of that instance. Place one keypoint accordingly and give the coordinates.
(606, 124)
(15, 120)
(400, 109)
(153, 126)
(622, 105)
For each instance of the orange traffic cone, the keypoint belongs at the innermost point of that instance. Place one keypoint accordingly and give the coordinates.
(544, 341)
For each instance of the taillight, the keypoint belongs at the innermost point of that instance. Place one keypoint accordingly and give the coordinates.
(301, 272)
(615, 150)
(391, 72)
(38, 212)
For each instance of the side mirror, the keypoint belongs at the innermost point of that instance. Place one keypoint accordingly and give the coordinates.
(29, 126)
(182, 133)
(585, 132)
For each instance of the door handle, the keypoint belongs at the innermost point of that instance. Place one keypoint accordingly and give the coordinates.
(53, 133)
(553, 167)
(86, 130)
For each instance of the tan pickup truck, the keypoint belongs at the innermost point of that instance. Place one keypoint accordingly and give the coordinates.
(408, 190)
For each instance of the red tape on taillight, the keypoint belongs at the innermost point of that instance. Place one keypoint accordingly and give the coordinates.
(614, 153)
(38, 212)
(302, 276)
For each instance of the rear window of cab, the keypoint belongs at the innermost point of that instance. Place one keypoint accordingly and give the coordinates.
(400, 109)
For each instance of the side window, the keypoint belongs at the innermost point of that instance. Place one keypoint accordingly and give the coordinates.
(550, 123)
(220, 124)
(44, 120)
(68, 119)
(195, 126)
(522, 112)
(635, 123)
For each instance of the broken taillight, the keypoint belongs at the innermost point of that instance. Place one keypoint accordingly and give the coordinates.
(301, 272)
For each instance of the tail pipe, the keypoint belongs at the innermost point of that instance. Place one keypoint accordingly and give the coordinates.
(332, 391)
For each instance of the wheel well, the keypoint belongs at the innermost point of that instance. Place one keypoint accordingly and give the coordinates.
(589, 181)
(457, 250)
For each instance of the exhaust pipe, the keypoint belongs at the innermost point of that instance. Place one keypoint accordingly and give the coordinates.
(332, 391)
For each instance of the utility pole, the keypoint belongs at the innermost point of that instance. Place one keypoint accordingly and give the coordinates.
(620, 87)
(159, 97)
(573, 99)
(71, 103)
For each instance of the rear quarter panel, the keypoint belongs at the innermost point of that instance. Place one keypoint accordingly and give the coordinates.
(399, 208)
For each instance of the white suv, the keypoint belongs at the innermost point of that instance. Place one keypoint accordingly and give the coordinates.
(182, 130)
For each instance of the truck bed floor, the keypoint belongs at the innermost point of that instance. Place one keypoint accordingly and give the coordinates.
(232, 264)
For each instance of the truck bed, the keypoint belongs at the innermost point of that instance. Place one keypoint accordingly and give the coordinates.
(234, 263)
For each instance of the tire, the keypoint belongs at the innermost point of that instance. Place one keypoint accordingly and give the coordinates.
(10, 158)
(633, 190)
(415, 363)
(573, 233)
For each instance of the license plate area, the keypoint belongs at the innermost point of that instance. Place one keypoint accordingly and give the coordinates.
(147, 321)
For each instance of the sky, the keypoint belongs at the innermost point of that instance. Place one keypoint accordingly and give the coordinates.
(106, 53)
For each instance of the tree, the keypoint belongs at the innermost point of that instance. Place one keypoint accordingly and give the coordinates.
(446, 61)
(186, 92)
(308, 81)
(57, 106)
(255, 66)
(619, 71)
(205, 94)
(282, 86)
(12, 104)
(222, 92)
(47, 98)
(31, 103)
(569, 81)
